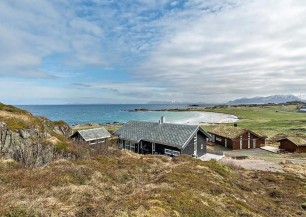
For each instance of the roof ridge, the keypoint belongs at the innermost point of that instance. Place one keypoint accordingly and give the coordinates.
(195, 125)
(92, 129)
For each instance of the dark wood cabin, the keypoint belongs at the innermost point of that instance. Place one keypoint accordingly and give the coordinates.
(236, 138)
(162, 138)
(293, 144)
(96, 137)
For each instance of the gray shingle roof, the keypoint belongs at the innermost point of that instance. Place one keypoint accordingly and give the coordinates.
(92, 134)
(175, 135)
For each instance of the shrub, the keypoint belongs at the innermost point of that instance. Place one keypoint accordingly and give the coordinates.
(62, 146)
(20, 211)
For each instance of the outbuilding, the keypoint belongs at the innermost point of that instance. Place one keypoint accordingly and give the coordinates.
(93, 137)
(234, 138)
(162, 138)
(293, 144)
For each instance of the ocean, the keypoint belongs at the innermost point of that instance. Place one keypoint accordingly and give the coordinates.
(102, 114)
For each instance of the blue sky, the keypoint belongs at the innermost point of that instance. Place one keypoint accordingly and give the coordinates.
(123, 51)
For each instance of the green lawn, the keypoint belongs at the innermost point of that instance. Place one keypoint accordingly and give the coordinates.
(272, 121)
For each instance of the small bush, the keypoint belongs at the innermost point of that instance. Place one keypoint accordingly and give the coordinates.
(20, 211)
(59, 123)
(275, 194)
(62, 146)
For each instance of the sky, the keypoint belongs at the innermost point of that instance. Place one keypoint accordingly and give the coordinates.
(140, 51)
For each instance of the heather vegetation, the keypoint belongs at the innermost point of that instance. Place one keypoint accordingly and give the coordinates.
(120, 183)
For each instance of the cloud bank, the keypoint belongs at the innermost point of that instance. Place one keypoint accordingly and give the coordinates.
(150, 50)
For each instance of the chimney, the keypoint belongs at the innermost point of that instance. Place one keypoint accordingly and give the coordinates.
(162, 120)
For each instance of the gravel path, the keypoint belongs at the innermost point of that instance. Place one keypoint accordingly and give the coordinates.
(252, 164)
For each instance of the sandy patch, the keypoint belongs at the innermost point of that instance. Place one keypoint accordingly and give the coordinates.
(202, 118)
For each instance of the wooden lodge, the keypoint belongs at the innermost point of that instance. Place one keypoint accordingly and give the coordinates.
(236, 138)
(162, 138)
(94, 137)
(293, 144)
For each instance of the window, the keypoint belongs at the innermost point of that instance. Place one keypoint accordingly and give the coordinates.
(218, 139)
(176, 153)
(202, 146)
(168, 151)
(133, 147)
(249, 140)
(127, 146)
(240, 142)
(101, 141)
(93, 142)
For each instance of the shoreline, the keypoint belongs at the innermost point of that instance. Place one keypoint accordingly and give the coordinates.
(200, 118)
(215, 118)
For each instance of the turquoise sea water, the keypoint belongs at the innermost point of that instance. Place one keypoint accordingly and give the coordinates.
(77, 114)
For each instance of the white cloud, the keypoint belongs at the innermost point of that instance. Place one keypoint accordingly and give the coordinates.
(178, 50)
(31, 31)
(251, 48)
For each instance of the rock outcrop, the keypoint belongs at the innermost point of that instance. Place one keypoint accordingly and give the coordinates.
(35, 145)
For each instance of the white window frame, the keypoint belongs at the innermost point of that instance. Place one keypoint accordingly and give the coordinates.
(249, 140)
(101, 141)
(132, 146)
(218, 139)
(168, 151)
(240, 142)
(93, 142)
(176, 153)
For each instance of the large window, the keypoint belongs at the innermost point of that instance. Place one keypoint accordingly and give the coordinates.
(172, 152)
(132, 146)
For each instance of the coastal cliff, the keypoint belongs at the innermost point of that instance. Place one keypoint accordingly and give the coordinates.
(33, 141)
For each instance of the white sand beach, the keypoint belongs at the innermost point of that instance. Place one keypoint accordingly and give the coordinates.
(204, 118)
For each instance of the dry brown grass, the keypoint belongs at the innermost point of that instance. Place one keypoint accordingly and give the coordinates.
(23, 117)
(298, 169)
(122, 183)
(16, 120)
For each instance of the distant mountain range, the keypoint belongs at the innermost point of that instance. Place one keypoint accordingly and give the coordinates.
(267, 99)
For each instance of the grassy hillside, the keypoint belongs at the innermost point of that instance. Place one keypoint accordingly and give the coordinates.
(16, 118)
(126, 184)
(269, 120)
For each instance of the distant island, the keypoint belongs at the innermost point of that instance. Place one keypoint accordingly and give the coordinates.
(265, 100)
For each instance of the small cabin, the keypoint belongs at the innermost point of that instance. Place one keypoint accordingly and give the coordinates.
(162, 138)
(93, 137)
(236, 138)
(293, 144)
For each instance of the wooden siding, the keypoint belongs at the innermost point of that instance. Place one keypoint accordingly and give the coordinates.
(95, 144)
(189, 149)
(235, 143)
(201, 141)
(289, 146)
